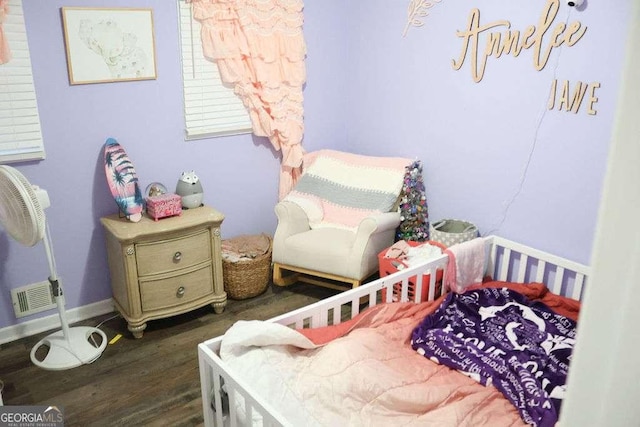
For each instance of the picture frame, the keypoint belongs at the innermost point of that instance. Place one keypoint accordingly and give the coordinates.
(107, 45)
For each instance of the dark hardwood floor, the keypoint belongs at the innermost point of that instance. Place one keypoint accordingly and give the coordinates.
(150, 381)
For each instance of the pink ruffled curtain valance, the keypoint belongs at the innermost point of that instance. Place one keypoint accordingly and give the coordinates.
(259, 48)
(5, 53)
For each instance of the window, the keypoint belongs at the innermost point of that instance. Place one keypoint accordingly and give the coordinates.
(20, 134)
(210, 107)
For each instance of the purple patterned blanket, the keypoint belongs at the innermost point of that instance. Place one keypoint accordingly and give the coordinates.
(498, 337)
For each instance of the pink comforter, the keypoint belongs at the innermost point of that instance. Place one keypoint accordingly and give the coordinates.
(370, 376)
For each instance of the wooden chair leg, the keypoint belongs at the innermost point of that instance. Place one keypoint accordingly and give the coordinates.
(298, 274)
(279, 279)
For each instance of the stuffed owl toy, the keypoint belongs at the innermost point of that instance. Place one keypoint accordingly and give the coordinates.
(190, 189)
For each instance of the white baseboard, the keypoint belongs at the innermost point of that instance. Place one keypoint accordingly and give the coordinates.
(52, 322)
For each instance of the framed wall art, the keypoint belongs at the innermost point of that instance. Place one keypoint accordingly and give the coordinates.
(109, 44)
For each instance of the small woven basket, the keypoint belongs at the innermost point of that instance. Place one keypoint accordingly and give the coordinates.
(247, 278)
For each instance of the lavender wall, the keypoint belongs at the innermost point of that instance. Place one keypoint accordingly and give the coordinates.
(239, 174)
(475, 139)
(368, 90)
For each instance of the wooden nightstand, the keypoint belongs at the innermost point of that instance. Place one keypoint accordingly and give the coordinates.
(166, 267)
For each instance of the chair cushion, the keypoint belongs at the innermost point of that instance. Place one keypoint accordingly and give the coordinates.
(323, 249)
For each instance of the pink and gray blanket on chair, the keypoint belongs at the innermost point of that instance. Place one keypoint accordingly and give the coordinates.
(339, 189)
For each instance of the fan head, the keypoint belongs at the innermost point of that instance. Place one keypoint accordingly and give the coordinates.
(21, 213)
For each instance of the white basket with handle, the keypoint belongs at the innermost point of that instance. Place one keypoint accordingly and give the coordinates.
(452, 231)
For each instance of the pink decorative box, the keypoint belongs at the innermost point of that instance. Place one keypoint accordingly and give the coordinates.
(164, 205)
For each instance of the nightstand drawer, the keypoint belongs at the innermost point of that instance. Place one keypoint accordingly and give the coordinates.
(177, 290)
(169, 255)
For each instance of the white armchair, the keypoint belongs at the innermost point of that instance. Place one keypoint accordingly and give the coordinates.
(326, 255)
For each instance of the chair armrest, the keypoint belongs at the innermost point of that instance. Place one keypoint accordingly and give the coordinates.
(291, 219)
(373, 235)
(378, 223)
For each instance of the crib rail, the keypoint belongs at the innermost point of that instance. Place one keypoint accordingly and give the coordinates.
(515, 262)
(346, 305)
(223, 392)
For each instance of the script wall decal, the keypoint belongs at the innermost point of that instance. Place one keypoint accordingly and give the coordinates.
(483, 41)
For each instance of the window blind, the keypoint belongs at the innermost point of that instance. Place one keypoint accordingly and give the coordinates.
(20, 133)
(210, 107)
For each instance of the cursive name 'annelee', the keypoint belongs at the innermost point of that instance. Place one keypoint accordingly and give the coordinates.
(512, 42)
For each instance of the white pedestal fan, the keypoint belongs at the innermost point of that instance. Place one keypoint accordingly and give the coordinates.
(22, 216)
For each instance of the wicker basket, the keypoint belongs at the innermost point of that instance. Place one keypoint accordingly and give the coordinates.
(247, 278)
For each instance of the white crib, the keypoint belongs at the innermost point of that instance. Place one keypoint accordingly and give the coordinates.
(222, 390)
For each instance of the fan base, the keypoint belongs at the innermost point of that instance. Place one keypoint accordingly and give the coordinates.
(69, 352)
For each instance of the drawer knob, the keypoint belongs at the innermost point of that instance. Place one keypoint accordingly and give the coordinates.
(180, 292)
(177, 256)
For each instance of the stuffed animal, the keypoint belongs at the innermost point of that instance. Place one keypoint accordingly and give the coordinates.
(190, 189)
